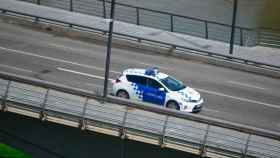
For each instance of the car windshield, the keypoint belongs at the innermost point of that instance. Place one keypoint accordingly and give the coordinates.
(172, 84)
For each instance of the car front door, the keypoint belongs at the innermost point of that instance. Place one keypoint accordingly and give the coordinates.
(154, 92)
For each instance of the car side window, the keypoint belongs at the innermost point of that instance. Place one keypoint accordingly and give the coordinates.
(153, 83)
(136, 79)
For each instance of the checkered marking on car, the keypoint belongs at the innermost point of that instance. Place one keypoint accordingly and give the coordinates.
(137, 91)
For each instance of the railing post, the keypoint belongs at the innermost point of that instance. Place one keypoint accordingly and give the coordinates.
(71, 9)
(43, 107)
(38, 2)
(138, 20)
(241, 37)
(161, 141)
(233, 26)
(171, 23)
(71, 6)
(246, 147)
(258, 32)
(122, 131)
(202, 149)
(82, 124)
(3, 103)
(206, 29)
(109, 47)
(137, 16)
(104, 9)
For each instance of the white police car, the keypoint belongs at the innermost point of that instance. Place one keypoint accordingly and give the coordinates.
(155, 87)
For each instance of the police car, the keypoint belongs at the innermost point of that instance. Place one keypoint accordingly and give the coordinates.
(151, 86)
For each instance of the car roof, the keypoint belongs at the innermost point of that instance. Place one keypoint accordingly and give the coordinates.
(149, 72)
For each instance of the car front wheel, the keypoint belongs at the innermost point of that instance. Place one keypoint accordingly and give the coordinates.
(172, 105)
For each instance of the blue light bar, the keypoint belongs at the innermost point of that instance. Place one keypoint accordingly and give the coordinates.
(151, 71)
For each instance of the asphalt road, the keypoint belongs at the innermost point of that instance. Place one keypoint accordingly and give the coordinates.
(229, 94)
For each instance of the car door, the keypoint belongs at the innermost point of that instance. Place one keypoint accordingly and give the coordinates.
(152, 92)
(138, 86)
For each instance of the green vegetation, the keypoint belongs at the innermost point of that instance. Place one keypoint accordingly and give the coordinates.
(270, 17)
(8, 152)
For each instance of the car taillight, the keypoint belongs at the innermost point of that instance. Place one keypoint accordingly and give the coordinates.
(117, 80)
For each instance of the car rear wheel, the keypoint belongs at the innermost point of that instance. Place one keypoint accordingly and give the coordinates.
(122, 94)
(172, 105)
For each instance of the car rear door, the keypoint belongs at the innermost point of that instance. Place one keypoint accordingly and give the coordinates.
(138, 85)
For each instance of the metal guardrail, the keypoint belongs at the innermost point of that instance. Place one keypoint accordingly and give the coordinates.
(153, 18)
(132, 120)
(269, 37)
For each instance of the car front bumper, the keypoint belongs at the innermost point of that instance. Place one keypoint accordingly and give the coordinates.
(193, 106)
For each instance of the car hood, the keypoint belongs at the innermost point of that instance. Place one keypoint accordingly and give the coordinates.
(189, 93)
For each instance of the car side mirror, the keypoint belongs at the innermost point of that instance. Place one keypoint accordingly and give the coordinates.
(161, 89)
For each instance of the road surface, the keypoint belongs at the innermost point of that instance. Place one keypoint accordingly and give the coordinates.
(229, 94)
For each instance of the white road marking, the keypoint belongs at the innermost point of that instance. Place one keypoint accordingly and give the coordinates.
(55, 59)
(238, 98)
(16, 68)
(100, 77)
(81, 73)
(245, 85)
(76, 49)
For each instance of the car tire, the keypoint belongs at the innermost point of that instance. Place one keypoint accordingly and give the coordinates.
(172, 105)
(122, 94)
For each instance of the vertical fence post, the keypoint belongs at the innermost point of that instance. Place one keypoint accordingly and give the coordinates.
(38, 2)
(206, 29)
(109, 46)
(241, 37)
(246, 147)
(171, 23)
(71, 6)
(71, 9)
(82, 124)
(202, 149)
(104, 12)
(3, 103)
(161, 142)
(258, 32)
(138, 20)
(43, 106)
(122, 131)
(104, 9)
(233, 26)
(137, 16)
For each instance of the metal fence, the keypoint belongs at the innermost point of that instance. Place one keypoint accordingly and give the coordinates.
(157, 19)
(269, 37)
(164, 127)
